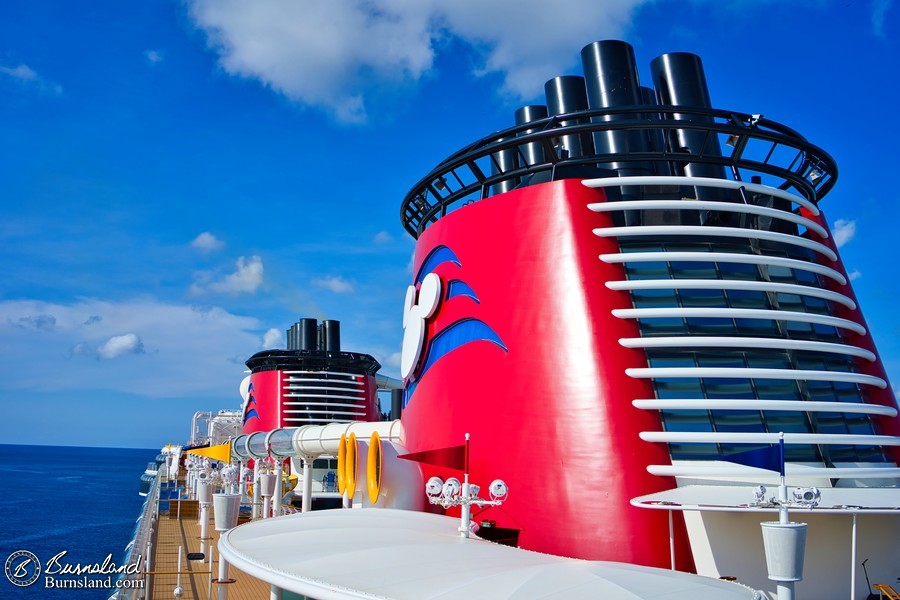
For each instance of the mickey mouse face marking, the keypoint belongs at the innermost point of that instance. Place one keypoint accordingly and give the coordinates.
(414, 315)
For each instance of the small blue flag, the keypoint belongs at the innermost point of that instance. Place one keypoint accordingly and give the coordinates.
(770, 459)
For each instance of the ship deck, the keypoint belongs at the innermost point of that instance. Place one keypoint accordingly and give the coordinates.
(173, 532)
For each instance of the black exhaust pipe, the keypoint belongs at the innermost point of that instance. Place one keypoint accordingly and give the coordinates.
(503, 162)
(331, 335)
(307, 335)
(566, 94)
(532, 153)
(680, 81)
(611, 80)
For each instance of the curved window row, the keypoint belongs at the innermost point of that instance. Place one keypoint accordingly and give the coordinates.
(709, 207)
(321, 397)
(782, 266)
(746, 373)
(324, 396)
(333, 404)
(738, 313)
(771, 405)
(711, 287)
(715, 231)
(758, 190)
(770, 438)
(742, 343)
(746, 259)
(326, 413)
(735, 470)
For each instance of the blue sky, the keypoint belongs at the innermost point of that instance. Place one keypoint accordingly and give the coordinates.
(181, 181)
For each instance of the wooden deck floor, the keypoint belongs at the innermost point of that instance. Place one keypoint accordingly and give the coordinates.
(185, 532)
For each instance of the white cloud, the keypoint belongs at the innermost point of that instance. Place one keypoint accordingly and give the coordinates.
(22, 73)
(272, 339)
(207, 242)
(525, 44)
(154, 56)
(334, 283)
(333, 55)
(392, 360)
(844, 231)
(879, 10)
(187, 350)
(247, 277)
(119, 345)
(854, 275)
(382, 237)
(28, 76)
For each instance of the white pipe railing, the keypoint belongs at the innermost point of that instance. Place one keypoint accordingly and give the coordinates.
(310, 440)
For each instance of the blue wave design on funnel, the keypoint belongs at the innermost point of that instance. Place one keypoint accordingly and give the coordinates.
(456, 287)
(438, 255)
(250, 413)
(452, 338)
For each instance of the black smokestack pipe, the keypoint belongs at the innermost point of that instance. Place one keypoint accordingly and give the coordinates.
(656, 139)
(566, 94)
(307, 334)
(503, 162)
(680, 81)
(532, 153)
(291, 345)
(611, 81)
(332, 336)
(396, 403)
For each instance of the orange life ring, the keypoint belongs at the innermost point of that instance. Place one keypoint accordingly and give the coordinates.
(373, 467)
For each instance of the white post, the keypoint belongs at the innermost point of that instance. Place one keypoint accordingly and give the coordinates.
(465, 511)
(306, 504)
(782, 503)
(204, 526)
(210, 577)
(179, 591)
(223, 576)
(243, 483)
(274, 593)
(204, 491)
(279, 489)
(256, 494)
(853, 560)
(785, 590)
(671, 541)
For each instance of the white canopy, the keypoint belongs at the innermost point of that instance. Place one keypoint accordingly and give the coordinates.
(383, 553)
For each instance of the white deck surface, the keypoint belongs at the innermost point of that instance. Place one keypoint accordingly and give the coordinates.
(383, 553)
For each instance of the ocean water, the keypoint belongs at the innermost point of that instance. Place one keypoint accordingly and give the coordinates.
(81, 500)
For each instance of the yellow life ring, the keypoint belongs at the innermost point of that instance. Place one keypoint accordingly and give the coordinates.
(373, 467)
(342, 460)
(350, 466)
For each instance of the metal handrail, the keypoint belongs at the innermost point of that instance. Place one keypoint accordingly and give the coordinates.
(142, 537)
(463, 176)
